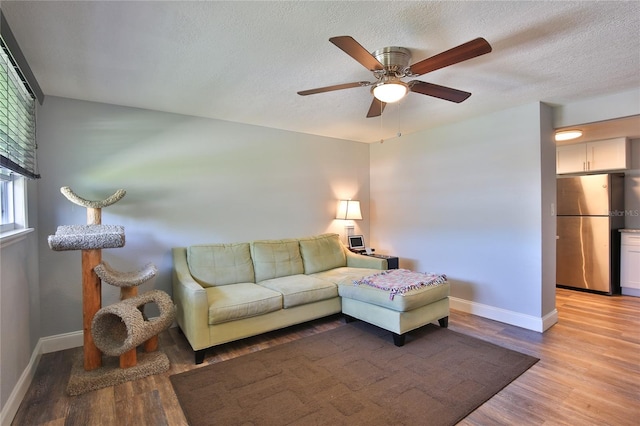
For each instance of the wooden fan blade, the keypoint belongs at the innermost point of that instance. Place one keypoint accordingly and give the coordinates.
(468, 50)
(442, 92)
(376, 108)
(357, 52)
(332, 88)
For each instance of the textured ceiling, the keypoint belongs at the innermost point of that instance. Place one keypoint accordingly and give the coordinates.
(245, 61)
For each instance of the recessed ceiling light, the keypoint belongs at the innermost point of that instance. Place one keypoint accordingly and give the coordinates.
(567, 135)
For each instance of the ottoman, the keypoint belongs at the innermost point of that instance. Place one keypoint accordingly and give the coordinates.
(400, 308)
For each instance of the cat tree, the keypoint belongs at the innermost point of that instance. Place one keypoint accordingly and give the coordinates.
(116, 330)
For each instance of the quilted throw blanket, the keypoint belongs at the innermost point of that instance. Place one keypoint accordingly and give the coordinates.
(399, 281)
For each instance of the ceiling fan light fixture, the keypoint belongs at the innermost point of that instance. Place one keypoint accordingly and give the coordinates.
(567, 135)
(390, 91)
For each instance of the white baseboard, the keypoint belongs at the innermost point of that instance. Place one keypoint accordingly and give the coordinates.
(61, 342)
(45, 345)
(509, 317)
(550, 319)
(628, 291)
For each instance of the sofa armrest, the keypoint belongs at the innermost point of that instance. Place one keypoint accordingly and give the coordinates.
(192, 304)
(359, 261)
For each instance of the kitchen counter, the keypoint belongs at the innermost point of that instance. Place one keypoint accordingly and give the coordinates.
(629, 230)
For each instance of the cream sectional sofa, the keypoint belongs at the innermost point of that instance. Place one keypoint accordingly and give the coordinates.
(226, 292)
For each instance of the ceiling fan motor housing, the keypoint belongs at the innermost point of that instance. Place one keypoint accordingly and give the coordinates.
(395, 59)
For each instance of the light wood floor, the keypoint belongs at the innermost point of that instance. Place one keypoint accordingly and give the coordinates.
(588, 373)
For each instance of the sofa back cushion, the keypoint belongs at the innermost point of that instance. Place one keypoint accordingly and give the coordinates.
(321, 253)
(276, 258)
(220, 264)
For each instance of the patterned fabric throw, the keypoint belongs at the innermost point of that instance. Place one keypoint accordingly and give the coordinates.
(401, 281)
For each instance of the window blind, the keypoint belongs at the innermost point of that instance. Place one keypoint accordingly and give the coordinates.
(17, 120)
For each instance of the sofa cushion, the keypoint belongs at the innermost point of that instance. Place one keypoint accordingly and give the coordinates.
(301, 289)
(237, 301)
(321, 253)
(276, 258)
(345, 275)
(408, 301)
(220, 264)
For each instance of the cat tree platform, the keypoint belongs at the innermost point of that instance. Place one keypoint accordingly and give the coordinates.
(125, 279)
(87, 237)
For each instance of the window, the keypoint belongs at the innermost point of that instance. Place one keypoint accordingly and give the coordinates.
(17, 142)
(12, 201)
(6, 202)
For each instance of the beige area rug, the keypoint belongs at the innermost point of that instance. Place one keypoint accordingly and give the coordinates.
(352, 375)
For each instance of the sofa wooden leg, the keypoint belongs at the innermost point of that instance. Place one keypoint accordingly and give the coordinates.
(444, 322)
(398, 339)
(200, 356)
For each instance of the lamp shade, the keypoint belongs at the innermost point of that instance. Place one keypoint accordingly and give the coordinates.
(349, 210)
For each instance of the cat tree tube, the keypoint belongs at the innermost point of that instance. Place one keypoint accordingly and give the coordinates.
(128, 283)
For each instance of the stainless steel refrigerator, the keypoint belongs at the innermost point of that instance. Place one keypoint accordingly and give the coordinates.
(590, 210)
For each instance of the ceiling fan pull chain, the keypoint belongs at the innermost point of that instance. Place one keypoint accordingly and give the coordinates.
(381, 136)
(398, 110)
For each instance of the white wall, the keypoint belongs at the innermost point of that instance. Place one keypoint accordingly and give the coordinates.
(188, 180)
(467, 200)
(549, 186)
(599, 108)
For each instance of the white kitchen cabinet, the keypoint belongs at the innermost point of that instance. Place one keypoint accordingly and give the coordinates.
(609, 154)
(570, 158)
(630, 263)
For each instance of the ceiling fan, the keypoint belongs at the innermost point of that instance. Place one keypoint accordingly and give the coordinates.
(390, 64)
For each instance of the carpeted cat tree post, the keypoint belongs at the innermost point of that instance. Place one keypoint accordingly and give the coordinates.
(116, 330)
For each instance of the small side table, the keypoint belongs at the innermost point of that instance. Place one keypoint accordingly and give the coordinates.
(392, 261)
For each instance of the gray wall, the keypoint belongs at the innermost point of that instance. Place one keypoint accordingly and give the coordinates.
(188, 180)
(467, 200)
(19, 310)
(19, 301)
